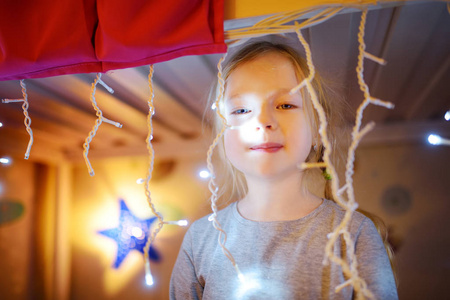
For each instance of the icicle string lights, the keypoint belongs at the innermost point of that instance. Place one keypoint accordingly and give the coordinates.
(359, 285)
(151, 153)
(27, 120)
(151, 237)
(212, 183)
(98, 121)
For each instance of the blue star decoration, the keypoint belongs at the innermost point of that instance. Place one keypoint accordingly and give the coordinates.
(131, 234)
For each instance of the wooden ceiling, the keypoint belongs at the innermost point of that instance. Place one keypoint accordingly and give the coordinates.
(414, 39)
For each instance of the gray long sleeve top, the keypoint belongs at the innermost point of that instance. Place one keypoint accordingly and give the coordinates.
(280, 260)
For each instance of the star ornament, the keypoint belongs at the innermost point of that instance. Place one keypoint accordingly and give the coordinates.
(131, 234)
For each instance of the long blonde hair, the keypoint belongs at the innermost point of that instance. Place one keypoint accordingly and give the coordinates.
(231, 181)
(232, 184)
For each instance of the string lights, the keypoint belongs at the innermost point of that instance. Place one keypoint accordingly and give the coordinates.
(151, 236)
(27, 120)
(98, 121)
(213, 187)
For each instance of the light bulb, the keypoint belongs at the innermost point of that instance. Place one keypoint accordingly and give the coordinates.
(5, 160)
(179, 223)
(434, 139)
(149, 279)
(446, 116)
(204, 174)
(137, 232)
(182, 223)
(1, 124)
(140, 181)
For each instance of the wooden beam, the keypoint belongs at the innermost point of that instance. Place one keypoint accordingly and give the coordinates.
(181, 149)
(169, 111)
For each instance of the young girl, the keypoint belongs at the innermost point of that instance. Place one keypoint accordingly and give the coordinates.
(277, 229)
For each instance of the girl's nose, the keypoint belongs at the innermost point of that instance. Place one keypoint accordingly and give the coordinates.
(266, 120)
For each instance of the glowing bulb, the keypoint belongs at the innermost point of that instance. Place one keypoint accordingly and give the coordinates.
(1, 124)
(179, 223)
(434, 139)
(136, 232)
(446, 116)
(5, 160)
(149, 279)
(140, 181)
(213, 106)
(182, 223)
(241, 277)
(204, 174)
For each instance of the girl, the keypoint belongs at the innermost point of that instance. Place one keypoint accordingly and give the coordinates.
(277, 230)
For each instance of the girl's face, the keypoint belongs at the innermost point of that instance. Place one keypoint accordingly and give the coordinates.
(270, 133)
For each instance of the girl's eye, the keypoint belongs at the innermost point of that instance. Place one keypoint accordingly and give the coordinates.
(286, 106)
(240, 111)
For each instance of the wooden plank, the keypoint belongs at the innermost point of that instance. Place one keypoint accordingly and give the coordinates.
(168, 110)
(181, 149)
(409, 37)
(188, 79)
(14, 144)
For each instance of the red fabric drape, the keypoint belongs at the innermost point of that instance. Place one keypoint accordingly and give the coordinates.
(41, 38)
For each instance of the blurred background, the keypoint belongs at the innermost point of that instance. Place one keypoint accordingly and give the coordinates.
(53, 215)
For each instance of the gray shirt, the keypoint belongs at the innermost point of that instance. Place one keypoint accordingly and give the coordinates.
(280, 260)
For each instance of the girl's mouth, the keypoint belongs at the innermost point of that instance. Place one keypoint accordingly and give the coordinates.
(267, 147)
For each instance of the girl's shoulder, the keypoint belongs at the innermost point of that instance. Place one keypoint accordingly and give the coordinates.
(336, 213)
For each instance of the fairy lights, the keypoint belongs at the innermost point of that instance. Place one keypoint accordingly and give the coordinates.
(447, 115)
(27, 120)
(5, 161)
(151, 236)
(213, 187)
(98, 121)
(435, 139)
(204, 174)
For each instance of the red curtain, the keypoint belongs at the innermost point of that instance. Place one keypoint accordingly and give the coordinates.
(41, 38)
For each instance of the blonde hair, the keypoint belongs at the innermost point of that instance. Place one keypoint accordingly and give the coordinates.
(232, 184)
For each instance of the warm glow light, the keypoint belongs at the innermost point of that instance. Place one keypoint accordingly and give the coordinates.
(5, 160)
(447, 115)
(1, 124)
(179, 223)
(182, 223)
(204, 174)
(149, 279)
(137, 232)
(140, 181)
(434, 139)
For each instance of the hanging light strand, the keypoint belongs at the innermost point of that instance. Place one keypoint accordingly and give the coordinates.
(213, 187)
(27, 120)
(151, 156)
(98, 121)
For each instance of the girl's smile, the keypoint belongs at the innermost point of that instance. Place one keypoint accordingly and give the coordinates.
(267, 147)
